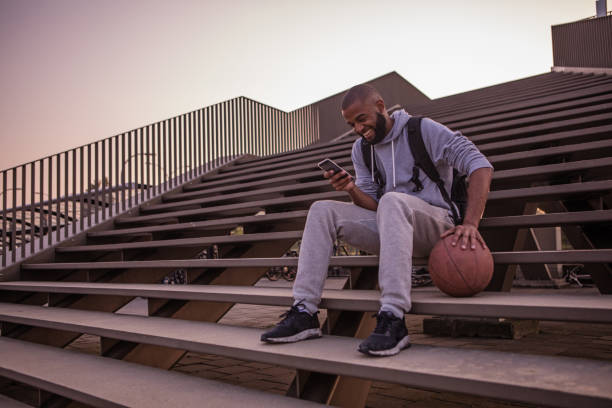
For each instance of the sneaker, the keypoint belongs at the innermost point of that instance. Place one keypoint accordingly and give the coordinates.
(389, 337)
(297, 325)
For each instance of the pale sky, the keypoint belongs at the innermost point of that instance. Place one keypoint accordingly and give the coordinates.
(75, 71)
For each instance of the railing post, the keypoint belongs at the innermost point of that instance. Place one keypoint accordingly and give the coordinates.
(14, 215)
(117, 180)
(149, 159)
(74, 191)
(49, 206)
(95, 183)
(23, 219)
(66, 185)
(174, 149)
(4, 191)
(41, 194)
(32, 211)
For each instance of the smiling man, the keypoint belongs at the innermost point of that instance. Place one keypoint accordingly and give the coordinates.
(398, 214)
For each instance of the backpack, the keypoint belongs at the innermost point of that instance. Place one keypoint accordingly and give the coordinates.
(422, 161)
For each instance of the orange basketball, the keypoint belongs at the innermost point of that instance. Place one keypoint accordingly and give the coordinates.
(459, 272)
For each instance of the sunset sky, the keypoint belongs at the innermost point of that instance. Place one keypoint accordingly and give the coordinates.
(75, 71)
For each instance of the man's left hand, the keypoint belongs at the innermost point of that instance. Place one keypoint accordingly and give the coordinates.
(465, 235)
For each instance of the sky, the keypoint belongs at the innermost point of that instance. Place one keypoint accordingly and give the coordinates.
(76, 71)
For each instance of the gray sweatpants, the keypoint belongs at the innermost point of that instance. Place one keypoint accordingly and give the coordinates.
(402, 226)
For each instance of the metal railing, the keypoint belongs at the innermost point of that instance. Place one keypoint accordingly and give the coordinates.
(53, 198)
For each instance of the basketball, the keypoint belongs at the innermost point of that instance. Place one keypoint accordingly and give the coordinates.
(459, 272)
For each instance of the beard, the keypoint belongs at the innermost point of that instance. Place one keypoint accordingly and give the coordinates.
(380, 131)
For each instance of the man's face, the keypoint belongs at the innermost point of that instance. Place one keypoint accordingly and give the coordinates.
(366, 119)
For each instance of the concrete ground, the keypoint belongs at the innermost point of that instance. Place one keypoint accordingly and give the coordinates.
(554, 338)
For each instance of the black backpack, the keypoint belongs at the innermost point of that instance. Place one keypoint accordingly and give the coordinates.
(423, 161)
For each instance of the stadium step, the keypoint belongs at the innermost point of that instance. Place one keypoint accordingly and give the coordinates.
(184, 242)
(540, 220)
(249, 207)
(239, 196)
(548, 137)
(562, 381)
(105, 382)
(560, 307)
(512, 257)
(555, 192)
(225, 223)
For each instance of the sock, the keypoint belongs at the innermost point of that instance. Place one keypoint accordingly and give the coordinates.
(397, 312)
(307, 307)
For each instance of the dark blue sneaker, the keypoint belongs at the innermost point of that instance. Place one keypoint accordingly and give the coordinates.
(295, 326)
(389, 337)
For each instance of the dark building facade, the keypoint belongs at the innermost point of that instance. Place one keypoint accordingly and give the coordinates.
(585, 43)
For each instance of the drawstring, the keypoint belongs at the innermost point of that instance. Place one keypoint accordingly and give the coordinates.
(393, 162)
(372, 161)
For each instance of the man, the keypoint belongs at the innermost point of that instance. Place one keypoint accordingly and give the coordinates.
(403, 222)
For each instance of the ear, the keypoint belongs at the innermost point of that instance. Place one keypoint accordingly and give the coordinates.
(380, 105)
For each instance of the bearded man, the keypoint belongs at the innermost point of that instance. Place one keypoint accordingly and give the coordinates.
(392, 218)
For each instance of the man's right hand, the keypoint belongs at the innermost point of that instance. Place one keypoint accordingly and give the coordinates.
(341, 181)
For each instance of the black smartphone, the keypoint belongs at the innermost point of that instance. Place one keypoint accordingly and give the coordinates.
(330, 165)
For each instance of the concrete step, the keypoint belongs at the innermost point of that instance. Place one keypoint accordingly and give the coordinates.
(105, 382)
(226, 223)
(539, 220)
(558, 138)
(509, 257)
(597, 149)
(261, 193)
(532, 173)
(184, 242)
(554, 192)
(596, 107)
(587, 120)
(288, 165)
(469, 105)
(288, 158)
(346, 261)
(295, 170)
(550, 104)
(206, 191)
(251, 207)
(556, 381)
(554, 306)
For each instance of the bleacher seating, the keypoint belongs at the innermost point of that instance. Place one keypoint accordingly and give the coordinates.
(549, 138)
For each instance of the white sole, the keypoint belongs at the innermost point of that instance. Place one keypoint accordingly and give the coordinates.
(303, 335)
(402, 344)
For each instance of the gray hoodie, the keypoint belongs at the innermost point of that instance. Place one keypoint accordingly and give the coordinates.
(394, 160)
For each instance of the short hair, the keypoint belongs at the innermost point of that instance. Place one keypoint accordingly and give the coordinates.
(359, 93)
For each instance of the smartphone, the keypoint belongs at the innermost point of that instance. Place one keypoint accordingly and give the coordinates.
(330, 165)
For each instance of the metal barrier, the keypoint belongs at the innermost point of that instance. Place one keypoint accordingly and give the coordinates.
(58, 196)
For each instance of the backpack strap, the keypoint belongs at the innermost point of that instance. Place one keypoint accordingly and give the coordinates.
(366, 154)
(422, 160)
